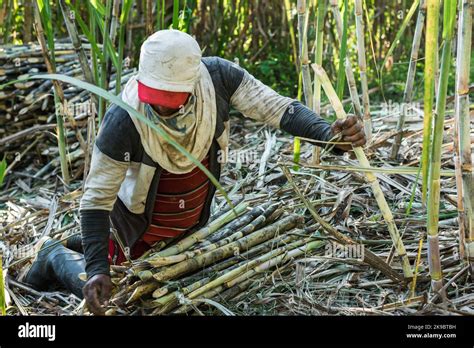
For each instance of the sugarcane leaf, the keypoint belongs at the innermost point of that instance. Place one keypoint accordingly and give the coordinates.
(123, 20)
(449, 16)
(108, 44)
(127, 5)
(98, 6)
(2, 290)
(46, 19)
(3, 169)
(341, 75)
(89, 36)
(412, 196)
(119, 102)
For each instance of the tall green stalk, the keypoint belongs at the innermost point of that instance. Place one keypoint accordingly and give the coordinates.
(127, 5)
(291, 30)
(303, 17)
(360, 33)
(397, 39)
(76, 41)
(104, 63)
(434, 181)
(464, 169)
(92, 29)
(347, 64)
(408, 93)
(318, 59)
(342, 54)
(175, 14)
(43, 15)
(2, 290)
(431, 48)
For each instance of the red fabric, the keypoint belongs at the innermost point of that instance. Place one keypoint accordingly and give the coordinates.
(116, 256)
(178, 206)
(179, 202)
(173, 100)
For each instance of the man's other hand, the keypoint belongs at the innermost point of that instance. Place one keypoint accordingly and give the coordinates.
(352, 131)
(97, 292)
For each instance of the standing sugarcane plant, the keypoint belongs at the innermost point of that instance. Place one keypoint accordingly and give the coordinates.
(347, 64)
(363, 68)
(371, 178)
(291, 30)
(105, 62)
(287, 6)
(176, 14)
(431, 48)
(318, 56)
(43, 14)
(318, 59)
(2, 290)
(434, 182)
(464, 171)
(303, 17)
(408, 93)
(126, 8)
(68, 16)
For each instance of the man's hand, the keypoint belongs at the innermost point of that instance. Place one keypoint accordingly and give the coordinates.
(97, 292)
(352, 131)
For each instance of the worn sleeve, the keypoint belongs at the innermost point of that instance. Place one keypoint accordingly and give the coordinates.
(100, 193)
(109, 164)
(258, 101)
(300, 121)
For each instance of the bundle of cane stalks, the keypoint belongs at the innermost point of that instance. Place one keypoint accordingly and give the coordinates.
(220, 259)
(27, 109)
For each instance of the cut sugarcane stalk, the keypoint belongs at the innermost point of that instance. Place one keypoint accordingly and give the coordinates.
(252, 268)
(225, 251)
(371, 178)
(187, 242)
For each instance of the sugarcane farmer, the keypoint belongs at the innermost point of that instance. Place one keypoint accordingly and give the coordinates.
(140, 189)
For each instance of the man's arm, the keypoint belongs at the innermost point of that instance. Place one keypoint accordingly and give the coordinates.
(100, 193)
(257, 101)
(113, 149)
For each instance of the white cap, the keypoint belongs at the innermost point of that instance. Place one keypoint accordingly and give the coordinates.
(170, 60)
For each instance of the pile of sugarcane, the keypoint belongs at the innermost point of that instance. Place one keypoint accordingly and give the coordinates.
(220, 259)
(27, 108)
(27, 103)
